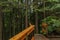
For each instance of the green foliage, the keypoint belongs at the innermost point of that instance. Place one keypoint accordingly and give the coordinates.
(47, 5)
(53, 0)
(53, 23)
(16, 10)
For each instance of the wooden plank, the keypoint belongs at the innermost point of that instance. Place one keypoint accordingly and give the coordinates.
(54, 38)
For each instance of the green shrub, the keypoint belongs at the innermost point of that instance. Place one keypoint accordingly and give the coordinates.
(53, 23)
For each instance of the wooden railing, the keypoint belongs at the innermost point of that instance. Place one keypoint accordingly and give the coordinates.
(22, 35)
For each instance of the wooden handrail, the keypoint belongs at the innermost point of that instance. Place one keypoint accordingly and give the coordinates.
(22, 35)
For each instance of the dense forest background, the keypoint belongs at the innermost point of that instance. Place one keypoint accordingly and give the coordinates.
(17, 14)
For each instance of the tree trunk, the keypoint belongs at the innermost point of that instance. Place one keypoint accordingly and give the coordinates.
(0, 24)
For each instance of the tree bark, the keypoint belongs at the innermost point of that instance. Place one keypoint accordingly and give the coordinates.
(0, 24)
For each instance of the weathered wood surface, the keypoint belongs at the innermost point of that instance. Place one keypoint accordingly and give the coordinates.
(40, 37)
(54, 38)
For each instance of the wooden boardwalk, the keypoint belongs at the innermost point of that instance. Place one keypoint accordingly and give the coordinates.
(41, 37)
(54, 38)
